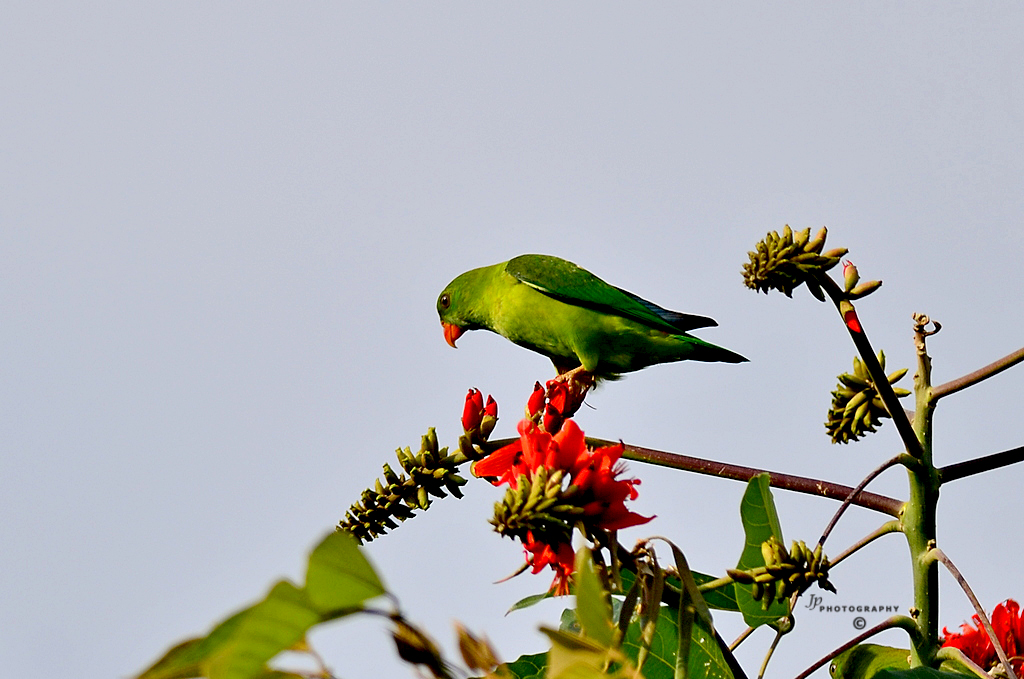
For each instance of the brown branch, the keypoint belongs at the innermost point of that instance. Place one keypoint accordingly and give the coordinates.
(978, 375)
(982, 464)
(798, 484)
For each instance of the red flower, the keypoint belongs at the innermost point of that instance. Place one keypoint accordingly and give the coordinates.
(560, 558)
(590, 478)
(1008, 624)
(594, 473)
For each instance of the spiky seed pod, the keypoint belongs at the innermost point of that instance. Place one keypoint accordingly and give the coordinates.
(856, 408)
(537, 505)
(429, 473)
(784, 262)
(785, 572)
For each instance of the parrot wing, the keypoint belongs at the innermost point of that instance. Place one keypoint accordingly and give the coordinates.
(569, 283)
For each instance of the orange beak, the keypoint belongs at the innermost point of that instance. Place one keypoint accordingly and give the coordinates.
(452, 332)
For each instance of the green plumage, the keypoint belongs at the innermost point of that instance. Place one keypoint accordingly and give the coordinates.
(566, 313)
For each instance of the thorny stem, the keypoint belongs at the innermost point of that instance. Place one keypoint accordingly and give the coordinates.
(981, 464)
(856, 491)
(978, 375)
(936, 554)
(919, 518)
(867, 354)
(886, 528)
(900, 621)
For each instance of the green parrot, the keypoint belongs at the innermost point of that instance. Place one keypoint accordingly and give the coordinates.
(588, 328)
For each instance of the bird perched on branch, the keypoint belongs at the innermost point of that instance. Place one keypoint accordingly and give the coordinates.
(587, 327)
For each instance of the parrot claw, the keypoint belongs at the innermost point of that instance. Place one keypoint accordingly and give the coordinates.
(579, 376)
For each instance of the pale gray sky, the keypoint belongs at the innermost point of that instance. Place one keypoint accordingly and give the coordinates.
(224, 226)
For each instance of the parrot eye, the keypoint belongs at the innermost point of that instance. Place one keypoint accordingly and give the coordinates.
(445, 301)
(832, 669)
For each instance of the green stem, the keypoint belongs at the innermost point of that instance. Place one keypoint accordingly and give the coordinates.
(711, 585)
(919, 524)
(884, 529)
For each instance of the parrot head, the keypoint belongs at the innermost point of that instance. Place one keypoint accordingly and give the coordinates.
(455, 307)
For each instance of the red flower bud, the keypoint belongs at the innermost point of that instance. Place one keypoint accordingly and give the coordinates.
(558, 394)
(552, 419)
(536, 402)
(473, 411)
(491, 409)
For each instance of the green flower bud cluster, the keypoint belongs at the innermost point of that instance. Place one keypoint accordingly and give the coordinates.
(431, 472)
(785, 572)
(784, 262)
(856, 408)
(537, 505)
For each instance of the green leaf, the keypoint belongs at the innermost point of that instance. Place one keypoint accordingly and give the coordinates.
(273, 625)
(184, 660)
(526, 666)
(574, 656)
(706, 658)
(592, 609)
(760, 522)
(338, 576)
(526, 602)
(339, 580)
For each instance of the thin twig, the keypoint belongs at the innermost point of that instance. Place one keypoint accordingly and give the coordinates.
(900, 621)
(981, 464)
(741, 638)
(939, 555)
(884, 529)
(768, 655)
(978, 375)
(855, 492)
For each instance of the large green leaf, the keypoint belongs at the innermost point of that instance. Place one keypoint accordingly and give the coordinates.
(706, 658)
(273, 625)
(185, 660)
(339, 580)
(760, 522)
(338, 576)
